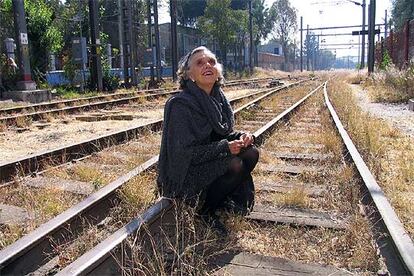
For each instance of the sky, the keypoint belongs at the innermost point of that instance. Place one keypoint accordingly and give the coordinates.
(325, 13)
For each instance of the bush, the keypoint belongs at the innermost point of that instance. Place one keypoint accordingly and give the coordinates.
(386, 61)
(392, 84)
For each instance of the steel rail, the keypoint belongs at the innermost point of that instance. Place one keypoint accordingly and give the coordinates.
(152, 92)
(106, 252)
(399, 237)
(38, 115)
(28, 253)
(35, 162)
(17, 109)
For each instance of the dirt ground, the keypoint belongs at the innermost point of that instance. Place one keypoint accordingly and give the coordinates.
(397, 114)
(65, 131)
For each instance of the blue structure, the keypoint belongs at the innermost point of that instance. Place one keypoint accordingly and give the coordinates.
(56, 78)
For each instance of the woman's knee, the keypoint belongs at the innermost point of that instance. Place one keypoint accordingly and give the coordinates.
(236, 165)
(250, 157)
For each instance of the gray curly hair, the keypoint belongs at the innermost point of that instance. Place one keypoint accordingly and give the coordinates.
(184, 67)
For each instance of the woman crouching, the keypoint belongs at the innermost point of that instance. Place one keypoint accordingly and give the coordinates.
(202, 161)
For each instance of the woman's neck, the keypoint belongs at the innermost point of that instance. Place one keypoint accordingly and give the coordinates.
(206, 88)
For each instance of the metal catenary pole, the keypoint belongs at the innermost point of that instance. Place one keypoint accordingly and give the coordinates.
(386, 25)
(307, 48)
(157, 40)
(150, 46)
(120, 35)
(251, 37)
(363, 35)
(96, 68)
(26, 82)
(301, 43)
(371, 36)
(174, 52)
(132, 44)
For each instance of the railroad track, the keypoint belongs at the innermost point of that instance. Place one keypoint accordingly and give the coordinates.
(20, 256)
(37, 162)
(283, 177)
(43, 111)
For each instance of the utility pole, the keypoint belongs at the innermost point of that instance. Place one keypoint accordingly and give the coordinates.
(120, 34)
(386, 25)
(26, 82)
(174, 52)
(154, 39)
(96, 68)
(363, 35)
(251, 37)
(371, 36)
(307, 48)
(157, 40)
(82, 46)
(301, 43)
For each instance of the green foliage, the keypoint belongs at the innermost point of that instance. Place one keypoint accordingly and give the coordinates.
(263, 20)
(8, 76)
(68, 92)
(386, 61)
(402, 10)
(44, 36)
(285, 17)
(69, 67)
(399, 84)
(222, 24)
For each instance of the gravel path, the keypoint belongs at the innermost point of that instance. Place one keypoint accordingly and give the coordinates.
(397, 114)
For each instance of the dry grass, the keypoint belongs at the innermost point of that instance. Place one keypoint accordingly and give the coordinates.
(3, 127)
(41, 204)
(294, 198)
(387, 153)
(182, 248)
(22, 122)
(348, 249)
(9, 234)
(47, 117)
(139, 192)
(86, 241)
(392, 85)
(87, 174)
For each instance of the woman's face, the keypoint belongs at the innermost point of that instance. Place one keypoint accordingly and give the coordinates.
(203, 69)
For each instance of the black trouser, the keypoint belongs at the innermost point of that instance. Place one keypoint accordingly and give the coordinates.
(235, 186)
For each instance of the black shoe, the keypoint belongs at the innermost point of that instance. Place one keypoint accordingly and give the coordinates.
(234, 208)
(213, 221)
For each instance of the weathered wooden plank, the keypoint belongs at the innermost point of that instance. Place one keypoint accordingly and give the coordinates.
(296, 216)
(12, 215)
(72, 186)
(302, 145)
(289, 169)
(301, 156)
(286, 186)
(247, 264)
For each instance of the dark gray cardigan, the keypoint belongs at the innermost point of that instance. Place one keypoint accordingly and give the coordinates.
(192, 154)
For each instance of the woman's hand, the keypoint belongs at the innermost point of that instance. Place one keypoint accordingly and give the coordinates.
(235, 146)
(247, 139)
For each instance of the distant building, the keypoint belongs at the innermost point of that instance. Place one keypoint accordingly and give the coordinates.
(270, 55)
(272, 47)
(187, 39)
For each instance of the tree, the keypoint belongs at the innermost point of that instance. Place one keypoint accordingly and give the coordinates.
(189, 10)
(311, 47)
(219, 24)
(402, 10)
(263, 22)
(44, 36)
(285, 24)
